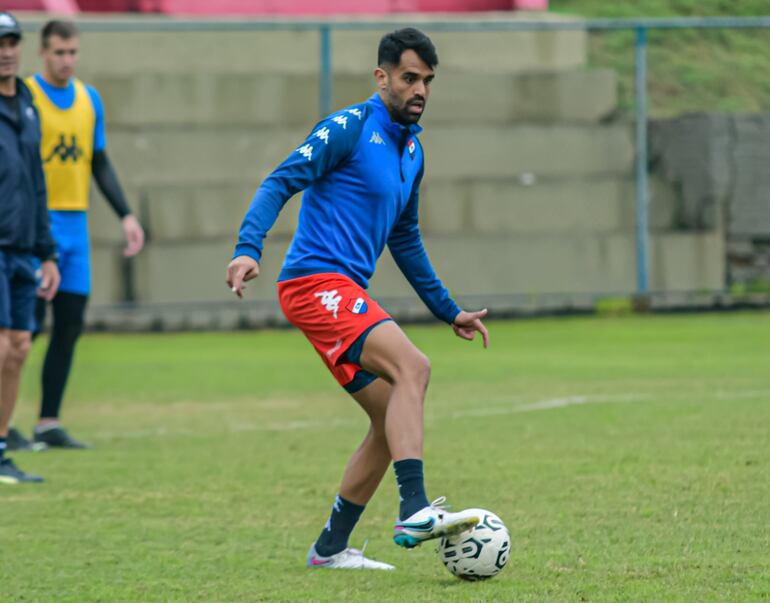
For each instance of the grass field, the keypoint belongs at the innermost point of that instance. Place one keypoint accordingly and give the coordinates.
(629, 457)
(721, 70)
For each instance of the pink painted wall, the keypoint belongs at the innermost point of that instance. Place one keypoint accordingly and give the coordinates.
(58, 7)
(326, 7)
(274, 7)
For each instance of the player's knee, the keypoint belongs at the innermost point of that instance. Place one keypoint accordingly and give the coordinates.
(18, 351)
(5, 345)
(416, 369)
(377, 431)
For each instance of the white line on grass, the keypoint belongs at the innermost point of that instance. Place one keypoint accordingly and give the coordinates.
(549, 404)
(299, 425)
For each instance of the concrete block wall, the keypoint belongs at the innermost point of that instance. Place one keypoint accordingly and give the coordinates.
(528, 184)
(718, 164)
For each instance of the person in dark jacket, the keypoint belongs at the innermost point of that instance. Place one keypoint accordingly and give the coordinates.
(25, 236)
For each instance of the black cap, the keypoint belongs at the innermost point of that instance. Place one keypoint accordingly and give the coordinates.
(9, 26)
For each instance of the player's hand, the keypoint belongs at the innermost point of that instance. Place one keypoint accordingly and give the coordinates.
(467, 323)
(134, 236)
(241, 269)
(49, 280)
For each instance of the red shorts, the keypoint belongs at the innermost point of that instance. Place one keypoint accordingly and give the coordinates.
(332, 311)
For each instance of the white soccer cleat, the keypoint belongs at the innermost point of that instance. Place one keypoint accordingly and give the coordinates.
(347, 559)
(433, 522)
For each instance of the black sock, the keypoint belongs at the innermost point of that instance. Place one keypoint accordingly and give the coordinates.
(335, 535)
(68, 313)
(3, 446)
(411, 487)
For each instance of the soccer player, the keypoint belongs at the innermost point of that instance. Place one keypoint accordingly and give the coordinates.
(25, 237)
(361, 170)
(73, 149)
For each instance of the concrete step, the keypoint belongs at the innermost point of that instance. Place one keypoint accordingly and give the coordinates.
(468, 265)
(566, 96)
(189, 272)
(465, 152)
(502, 265)
(520, 206)
(200, 99)
(213, 212)
(298, 52)
(200, 155)
(208, 154)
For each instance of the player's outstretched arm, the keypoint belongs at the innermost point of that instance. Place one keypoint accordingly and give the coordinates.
(467, 323)
(243, 268)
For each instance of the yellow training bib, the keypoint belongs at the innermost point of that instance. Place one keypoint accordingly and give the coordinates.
(67, 147)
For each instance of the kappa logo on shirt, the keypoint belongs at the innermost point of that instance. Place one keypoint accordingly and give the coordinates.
(376, 138)
(330, 300)
(411, 147)
(306, 151)
(358, 306)
(323, 134)
(65, 151)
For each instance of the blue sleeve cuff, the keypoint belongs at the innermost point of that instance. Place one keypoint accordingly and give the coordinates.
(249, 250)
(452, 314)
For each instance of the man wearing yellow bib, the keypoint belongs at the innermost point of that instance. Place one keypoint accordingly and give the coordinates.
(73, 148)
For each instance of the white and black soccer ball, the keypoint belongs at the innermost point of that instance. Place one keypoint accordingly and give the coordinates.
(479, 553)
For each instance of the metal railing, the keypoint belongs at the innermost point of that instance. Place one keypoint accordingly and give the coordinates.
(326, 29)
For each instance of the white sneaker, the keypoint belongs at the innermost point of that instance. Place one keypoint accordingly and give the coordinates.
(433, 522)
(347, 559)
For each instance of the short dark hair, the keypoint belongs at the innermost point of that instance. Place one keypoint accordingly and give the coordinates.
(63, 29)
(393, 45)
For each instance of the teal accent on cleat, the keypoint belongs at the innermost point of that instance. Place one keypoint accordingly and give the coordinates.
(406, 541)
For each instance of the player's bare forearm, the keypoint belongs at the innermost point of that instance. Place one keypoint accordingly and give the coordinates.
(466, 324)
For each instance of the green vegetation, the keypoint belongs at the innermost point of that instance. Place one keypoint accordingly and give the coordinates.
(691, 70)
(628, 456)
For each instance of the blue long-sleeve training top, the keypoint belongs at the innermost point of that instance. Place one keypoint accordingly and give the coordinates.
(361, 174)
(23, 199)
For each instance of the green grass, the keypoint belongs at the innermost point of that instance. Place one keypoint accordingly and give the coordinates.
(717, 70)
(218, 456)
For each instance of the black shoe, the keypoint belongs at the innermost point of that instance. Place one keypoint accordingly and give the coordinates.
(57, 437)
(11, 474)
(16, 441)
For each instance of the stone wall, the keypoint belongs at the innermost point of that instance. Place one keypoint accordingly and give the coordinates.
(717, 164)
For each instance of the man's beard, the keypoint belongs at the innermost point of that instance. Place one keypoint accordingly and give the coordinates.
(401, 114)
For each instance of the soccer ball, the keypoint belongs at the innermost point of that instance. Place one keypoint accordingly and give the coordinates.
(479, 553)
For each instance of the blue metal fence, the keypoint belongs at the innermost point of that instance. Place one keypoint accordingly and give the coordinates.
(325, 30)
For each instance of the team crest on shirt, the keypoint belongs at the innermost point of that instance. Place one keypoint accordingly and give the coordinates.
(411, 147)
(357, 306)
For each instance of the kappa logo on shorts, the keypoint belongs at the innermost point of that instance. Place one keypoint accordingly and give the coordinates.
(330, 300)
(334, 350)
(358, 306)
